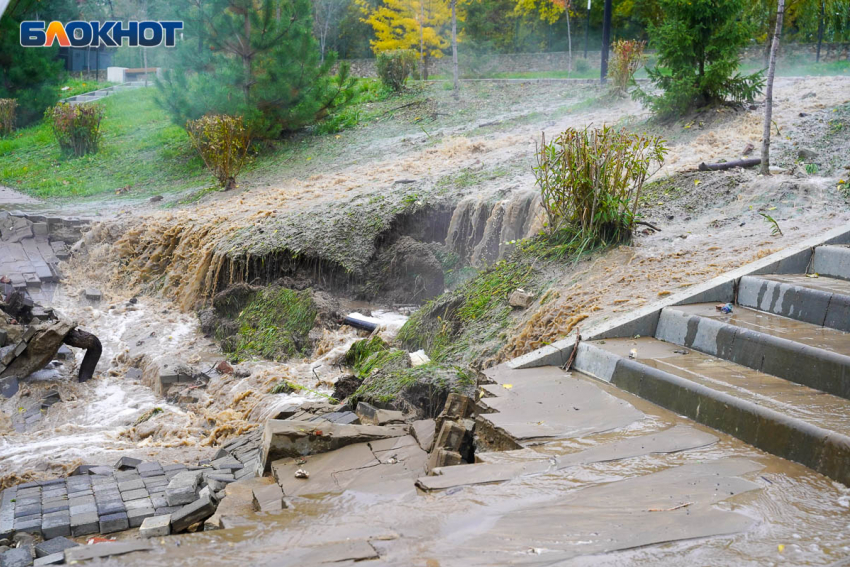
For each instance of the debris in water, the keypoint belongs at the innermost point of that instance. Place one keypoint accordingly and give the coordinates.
(419, 358)
(301, 473)
(633, 353)
(685, 505)
(727, 309)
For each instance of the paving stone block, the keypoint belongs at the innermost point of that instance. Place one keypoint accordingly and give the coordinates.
(100, 471)
(112, 523)
(27, 492)
(197, 511)
(183, 488)
(132, 474)
(159, 501)
(54, 545)
(139, 503)
(268, 498)
(148, 466)
(83, 508)
(138, 515)
(156, 526)
(54, 493)
(27, 510)
(80, 500)
(52, 482)
(85, 524)
(129, 485)
(166, 510)
(19, 557)
(28, 524)
(127, 463)
(106, 487)
(110, 507)
(134, 494)
(55, 507)
(155, 480)
(53, 559)
(174, 467)
(56, 524)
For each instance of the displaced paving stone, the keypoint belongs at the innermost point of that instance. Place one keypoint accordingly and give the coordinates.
(127, 463)
(28, 524)
(268, 498)
(19, 557)
(424, 431)
(197, 511)
(99, 550)
(129, 485)
(53, 545)
(371, 415)
(183, 488)
(112, 523)
(283, 439)
(156, 526)
(138, 515)
(54, 559)
(444, 458)
(93, 294)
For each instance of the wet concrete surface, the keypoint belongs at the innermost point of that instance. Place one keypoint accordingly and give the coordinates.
(781, 327)
(821, 283)
(810, 405)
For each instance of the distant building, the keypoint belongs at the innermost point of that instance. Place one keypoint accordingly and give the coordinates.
(86, 59)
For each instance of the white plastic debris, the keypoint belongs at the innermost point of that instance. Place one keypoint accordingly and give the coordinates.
(419, 358)
(301, 473)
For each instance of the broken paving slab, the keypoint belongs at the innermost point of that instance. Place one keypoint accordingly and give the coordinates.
(671, 505)
(282, 439)
(443, 478)
(323, 469)
(102, 550)
(673, 440)
(549, 403)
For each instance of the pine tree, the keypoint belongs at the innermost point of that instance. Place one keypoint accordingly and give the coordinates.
(253, 59)
(698, 46)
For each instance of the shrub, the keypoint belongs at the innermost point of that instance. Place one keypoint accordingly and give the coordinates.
(590, 182)
(628, 58)
(582, 65)
(77, 128)
(394, 67)
(223, 144)
(7, 115)
(698, 45)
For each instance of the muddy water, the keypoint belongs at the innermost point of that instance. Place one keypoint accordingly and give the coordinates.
(795, 516)
(96, 422)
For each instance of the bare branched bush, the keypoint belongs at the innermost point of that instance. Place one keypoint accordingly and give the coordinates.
(628, 58)
(77, 128)
(590, 182)
(394, 67)
(222, 141)
(7, 115)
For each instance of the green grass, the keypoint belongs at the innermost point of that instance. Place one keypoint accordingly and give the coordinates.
(140, 152)
(80, 86)
(273, 325)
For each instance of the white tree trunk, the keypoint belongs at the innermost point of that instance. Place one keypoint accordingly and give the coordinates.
(454, 48)
(768, 96)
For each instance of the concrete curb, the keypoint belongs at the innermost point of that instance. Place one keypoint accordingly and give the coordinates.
(793, 260)
(832, 261)
(816, 368)
(796, 302)
(824, 451)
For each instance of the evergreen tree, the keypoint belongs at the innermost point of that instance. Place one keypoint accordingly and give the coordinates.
(28, 74)
(256, 59)
(698, 45)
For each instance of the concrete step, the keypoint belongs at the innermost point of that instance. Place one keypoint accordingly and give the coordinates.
(832, 260)
(797, 401)
(746, 406)
(811, 355)
(821, 301)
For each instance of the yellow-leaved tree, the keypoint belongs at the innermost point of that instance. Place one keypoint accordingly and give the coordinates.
(420, 25)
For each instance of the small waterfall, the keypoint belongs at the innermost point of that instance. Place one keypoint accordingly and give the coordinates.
(480, 230)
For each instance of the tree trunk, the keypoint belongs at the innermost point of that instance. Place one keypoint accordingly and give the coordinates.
(246, 54)
(606, 41)
(423, 67)
(768, 98)
(454, 48)
(587, 29)
(569, 42)
(820, 30)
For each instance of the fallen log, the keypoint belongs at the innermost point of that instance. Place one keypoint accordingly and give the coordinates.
(82, 339)
(729, 164)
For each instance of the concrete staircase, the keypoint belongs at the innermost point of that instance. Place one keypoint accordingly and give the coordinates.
(775, 372)
(103, 93)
